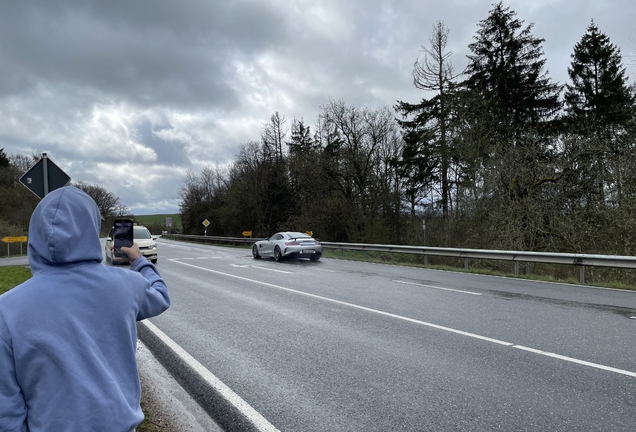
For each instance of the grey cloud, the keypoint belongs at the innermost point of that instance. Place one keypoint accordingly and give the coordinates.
(151, 52)
(190, 81)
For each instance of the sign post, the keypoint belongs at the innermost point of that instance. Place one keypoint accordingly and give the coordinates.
(205, 224)
(16, 239)
(44, 177)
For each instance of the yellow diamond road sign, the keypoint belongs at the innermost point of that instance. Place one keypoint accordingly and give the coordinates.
(206, 223)
(18, 239)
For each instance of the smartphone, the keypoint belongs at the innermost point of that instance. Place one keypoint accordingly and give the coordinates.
(123, 233)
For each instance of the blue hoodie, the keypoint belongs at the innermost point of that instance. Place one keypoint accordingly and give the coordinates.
(68, 335)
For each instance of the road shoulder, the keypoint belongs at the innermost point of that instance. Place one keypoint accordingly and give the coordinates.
(167, 404)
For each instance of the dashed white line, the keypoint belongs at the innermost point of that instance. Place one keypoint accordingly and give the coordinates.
(423, 323)
(573, 360)
(436, 287)
(271, 269)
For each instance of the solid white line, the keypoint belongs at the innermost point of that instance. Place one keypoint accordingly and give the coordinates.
(250, 413)
(435, 287)
(424, 323)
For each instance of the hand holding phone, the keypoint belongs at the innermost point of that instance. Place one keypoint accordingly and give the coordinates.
(132, 252)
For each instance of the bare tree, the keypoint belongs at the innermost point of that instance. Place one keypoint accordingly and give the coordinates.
(107, 202)
(434, 73)
(273, 135)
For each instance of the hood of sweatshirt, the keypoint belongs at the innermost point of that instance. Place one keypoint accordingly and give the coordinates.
(64, 229)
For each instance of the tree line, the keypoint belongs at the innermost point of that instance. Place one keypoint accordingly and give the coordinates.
(495, 156)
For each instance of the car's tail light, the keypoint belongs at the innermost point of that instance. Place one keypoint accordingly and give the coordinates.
(292, 243)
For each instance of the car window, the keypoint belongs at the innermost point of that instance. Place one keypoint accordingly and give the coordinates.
(297, 235)
(141, 233)
(277, 236)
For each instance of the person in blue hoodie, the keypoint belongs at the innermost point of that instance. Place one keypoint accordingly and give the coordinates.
(68, 335)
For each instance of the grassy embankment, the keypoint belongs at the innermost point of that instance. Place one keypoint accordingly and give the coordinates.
(159, 219)
(12, 276)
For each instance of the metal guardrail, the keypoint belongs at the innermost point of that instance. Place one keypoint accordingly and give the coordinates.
(580, 260)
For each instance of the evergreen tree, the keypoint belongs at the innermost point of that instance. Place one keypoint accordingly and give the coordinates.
(507, 73)
(506, 68)
(304, 172)
(4, 160)
(599, 95)
(599, 109)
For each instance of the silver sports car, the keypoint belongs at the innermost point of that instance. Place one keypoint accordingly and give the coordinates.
(288, 245)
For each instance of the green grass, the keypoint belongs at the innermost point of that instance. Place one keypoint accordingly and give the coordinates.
(148, 425)
(159, 219)
(12, 276)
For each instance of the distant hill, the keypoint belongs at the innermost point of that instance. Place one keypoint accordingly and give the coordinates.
(159, 219)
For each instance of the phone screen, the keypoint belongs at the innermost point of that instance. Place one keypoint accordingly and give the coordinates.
(123, 233)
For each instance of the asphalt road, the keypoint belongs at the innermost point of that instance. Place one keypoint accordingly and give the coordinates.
(349, 346)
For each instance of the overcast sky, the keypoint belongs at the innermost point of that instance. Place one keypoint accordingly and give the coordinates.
(131, 94)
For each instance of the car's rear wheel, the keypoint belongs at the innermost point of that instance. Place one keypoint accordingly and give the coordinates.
(255, 253)
(315, 257)
(278, 256)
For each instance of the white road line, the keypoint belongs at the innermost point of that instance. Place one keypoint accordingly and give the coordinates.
(436, 287)
(250, 413)
(271, 269)
(259, 267)
(573, 360)
(424, 323)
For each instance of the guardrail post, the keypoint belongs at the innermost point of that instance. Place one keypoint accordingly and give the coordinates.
(517, 268)
(425, 260)
(466, 263)
(366, 255)
(341, 253)
(392, 256)
(582, 275)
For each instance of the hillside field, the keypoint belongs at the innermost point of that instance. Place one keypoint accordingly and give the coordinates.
(159, 219)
